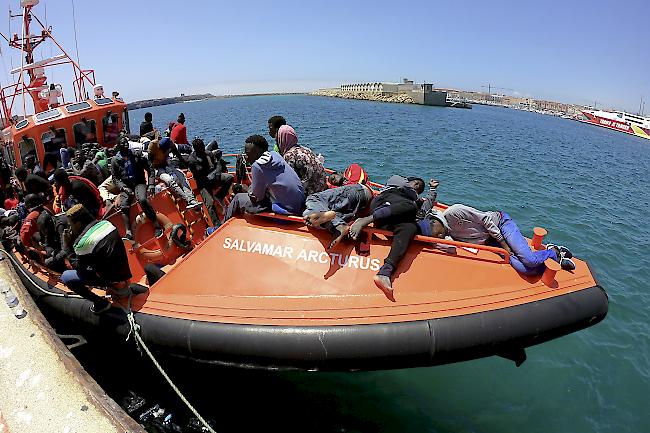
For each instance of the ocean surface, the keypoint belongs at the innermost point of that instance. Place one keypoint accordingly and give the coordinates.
(588, 186)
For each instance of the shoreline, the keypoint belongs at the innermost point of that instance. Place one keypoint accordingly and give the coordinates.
(146, 103)
(399, 98)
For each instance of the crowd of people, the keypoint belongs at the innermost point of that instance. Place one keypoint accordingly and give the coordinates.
(56, 218)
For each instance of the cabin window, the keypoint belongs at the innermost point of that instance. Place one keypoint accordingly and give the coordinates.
(103, 101)
(9, 156)
(27, 149)
(111, 128)
(125, 121)
(79, 106)
(22, 124)
(53, 140)
(85, 132)
(47, 115)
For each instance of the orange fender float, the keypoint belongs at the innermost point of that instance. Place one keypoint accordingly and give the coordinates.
(165, 249)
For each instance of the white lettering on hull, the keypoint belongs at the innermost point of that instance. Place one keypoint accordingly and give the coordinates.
(322, 257)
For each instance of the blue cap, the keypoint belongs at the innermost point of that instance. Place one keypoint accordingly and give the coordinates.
(165, 143)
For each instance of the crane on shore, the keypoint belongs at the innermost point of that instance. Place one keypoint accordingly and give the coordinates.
(490, 87)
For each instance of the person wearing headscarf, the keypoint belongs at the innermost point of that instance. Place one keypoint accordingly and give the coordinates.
(303, 161)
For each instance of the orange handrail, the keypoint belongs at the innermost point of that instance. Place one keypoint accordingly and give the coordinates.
(420, 238)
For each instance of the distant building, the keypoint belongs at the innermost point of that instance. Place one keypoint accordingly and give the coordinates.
(423, 94)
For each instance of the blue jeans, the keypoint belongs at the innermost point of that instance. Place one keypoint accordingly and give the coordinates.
(524, 260)
(77, 282)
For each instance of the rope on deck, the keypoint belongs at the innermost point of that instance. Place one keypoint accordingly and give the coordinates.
(135, 330)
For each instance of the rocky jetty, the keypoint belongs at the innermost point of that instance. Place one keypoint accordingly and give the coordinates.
(400, 98)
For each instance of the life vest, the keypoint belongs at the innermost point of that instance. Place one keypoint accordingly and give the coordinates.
(355, 174)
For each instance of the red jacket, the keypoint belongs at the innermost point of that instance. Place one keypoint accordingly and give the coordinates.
(179, 134)
(29, 228)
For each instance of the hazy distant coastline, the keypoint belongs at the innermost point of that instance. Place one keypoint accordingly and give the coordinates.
(145, 103)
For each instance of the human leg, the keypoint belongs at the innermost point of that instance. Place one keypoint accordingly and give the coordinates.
(208, 201)
(243, 203)
(76, 282)
(526, 261)
(126, 198)
(147, 208)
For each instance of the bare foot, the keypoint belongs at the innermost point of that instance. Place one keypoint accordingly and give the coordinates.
(319, 218)
(358, 225)
(343, 230)
(383, 282)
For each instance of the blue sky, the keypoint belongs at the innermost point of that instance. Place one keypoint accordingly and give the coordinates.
(570, 51)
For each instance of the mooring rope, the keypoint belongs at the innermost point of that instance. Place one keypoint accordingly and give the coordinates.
(135, 331)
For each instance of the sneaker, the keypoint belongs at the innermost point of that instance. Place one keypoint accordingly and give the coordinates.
(128, 236)
(193, 205)
(560, 251)
(101, 308)
(158, 232)
(567, 264)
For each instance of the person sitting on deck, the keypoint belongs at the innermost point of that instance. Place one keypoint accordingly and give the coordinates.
(133, 175)
(332, 209)
(34, 184)
(146, 127)
(84, 167)
(33, 167)
(303, 161)
(394, 208)
(75, 189)
(273, 182)
(101, 258)
(275, 123)
(178, 133)
(29, 233)
(159, 151)
(211, 175)
(466, 224)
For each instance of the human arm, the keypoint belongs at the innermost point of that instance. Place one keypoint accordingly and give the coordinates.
(257, 190)
(116, 172)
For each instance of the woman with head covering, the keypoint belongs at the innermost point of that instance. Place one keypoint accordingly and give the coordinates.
(303, 161)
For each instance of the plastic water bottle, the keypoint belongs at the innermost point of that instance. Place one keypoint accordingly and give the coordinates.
(11, 299)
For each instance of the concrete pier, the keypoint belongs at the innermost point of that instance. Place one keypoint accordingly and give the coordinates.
(43, 388)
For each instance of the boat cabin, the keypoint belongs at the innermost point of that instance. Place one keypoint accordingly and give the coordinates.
(97, 120)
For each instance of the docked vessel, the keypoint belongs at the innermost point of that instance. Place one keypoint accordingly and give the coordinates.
(263, 291)
(619, 121)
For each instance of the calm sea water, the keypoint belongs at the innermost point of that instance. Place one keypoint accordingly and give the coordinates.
(586, 185)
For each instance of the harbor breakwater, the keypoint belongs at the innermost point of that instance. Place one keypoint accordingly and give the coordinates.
(400, 98)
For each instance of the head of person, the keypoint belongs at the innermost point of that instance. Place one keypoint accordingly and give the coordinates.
(336, 179)
(213, 145)
(254, 147)
(438, 227)
(61, 178)
(275, 123)
(286, 138)
(79, 218)
(33, 202)
(30, 161)
(123, 149)
(21, 174)
(198, 145)
(148, 117)
(181, 118)
(165, 144)
(417, 183)
(79, 156)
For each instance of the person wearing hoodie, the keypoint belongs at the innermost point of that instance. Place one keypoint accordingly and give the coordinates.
(273, 182)
(303, 161)
(394, 208)
(466, 224)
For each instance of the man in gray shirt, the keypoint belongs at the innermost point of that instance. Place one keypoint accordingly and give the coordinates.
(466, 224)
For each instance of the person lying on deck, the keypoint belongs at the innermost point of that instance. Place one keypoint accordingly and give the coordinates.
(101, 257)
(333, 209)
(273, 182)
(394, 208)
(466, 224)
